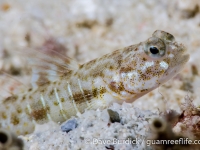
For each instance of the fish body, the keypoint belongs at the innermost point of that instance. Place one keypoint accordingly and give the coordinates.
(123, 75)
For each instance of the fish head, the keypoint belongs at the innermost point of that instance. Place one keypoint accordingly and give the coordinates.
(152, 63)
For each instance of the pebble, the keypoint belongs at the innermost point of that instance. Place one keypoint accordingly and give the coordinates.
(114, 116)
(69, 125)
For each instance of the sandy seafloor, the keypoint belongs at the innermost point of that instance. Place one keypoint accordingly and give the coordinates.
(88, 29)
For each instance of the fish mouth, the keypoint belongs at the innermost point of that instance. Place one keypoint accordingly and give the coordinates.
(180, 58)
(176, 65)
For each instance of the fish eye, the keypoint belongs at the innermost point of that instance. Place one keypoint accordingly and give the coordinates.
(154, 50)
(155, 47)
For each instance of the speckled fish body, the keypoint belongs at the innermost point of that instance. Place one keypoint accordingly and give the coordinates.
(123, 75)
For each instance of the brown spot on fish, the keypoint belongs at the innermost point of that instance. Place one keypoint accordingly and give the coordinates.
(126, 69)
(114, 54)
(55, 103)
(30, 97)
(51, 92)
(113, 86)
(117, 88)
(26, 132)
(62, 99)
(78, 98)
(88, 95)
(89, 65)
(119, 61)
(128, 49)
(144, 77)
(95, 92)
(10, 99)
(4, 116)
(19, 110)
(143, 90)
(167, 60)
(40, 114)
(111, 67)
(102, 90)
(42, 80)
(81, 66)
(144, 59)
(97, 73)
(149, 71)
(14, 119)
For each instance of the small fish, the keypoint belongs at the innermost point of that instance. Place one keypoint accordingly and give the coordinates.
(62, 88)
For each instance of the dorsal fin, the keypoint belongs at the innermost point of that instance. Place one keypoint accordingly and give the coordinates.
(48, 65)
